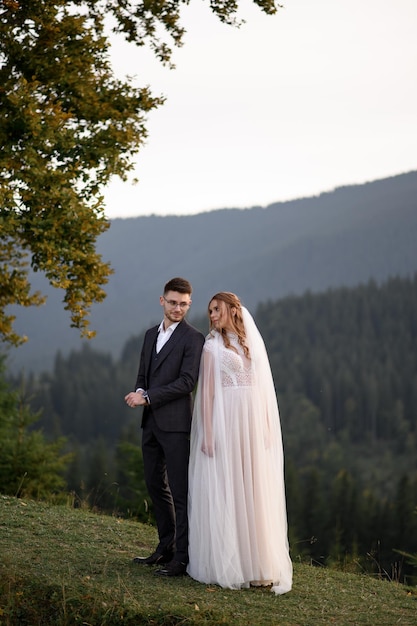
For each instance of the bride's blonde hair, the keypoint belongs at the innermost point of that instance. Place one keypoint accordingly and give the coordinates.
(236, 320)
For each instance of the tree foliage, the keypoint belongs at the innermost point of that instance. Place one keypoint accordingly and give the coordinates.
(67, 125)
(141, 20)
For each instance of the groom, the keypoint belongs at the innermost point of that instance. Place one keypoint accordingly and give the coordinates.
(168, 371)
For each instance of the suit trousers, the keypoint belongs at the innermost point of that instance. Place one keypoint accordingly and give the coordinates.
(166, 458)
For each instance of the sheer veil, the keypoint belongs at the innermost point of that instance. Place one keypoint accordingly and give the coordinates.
(266, 406)
(237, 508)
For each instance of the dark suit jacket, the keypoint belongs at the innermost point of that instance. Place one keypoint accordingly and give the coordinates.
(175, 374)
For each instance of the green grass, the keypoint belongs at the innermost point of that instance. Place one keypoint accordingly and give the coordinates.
(63, 566)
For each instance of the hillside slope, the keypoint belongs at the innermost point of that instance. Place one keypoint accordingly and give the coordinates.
(64, 566)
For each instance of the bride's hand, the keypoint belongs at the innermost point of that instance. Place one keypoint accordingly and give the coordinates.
(207, 449)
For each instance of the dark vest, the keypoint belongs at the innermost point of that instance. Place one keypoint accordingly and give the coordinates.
(154, 360)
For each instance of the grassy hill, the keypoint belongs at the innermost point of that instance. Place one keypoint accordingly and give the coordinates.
(63, 566)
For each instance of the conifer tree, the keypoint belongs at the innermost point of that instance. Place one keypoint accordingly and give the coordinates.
(29, 465)
(133, 498)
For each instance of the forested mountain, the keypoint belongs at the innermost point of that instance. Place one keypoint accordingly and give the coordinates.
(340, 238)
(345, 366)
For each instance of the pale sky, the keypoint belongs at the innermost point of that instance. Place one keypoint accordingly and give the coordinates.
(321, 95)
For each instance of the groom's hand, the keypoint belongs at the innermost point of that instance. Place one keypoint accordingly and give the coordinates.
(135, 398)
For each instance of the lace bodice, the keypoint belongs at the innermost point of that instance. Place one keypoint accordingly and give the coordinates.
(235, 367)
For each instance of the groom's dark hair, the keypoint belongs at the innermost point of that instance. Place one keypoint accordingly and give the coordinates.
(178, 284)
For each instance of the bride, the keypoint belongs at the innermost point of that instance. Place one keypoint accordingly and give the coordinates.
(237, 511)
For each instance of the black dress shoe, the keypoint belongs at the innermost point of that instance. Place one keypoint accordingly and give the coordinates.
(154, 559)
(173, 568)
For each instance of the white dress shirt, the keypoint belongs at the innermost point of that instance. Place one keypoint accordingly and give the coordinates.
(164, 335)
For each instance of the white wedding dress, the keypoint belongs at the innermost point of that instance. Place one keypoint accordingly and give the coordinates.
(237, 510)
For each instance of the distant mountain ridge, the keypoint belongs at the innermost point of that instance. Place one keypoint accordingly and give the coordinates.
(343, 237)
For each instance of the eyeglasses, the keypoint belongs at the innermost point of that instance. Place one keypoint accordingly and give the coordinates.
(173, 304)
